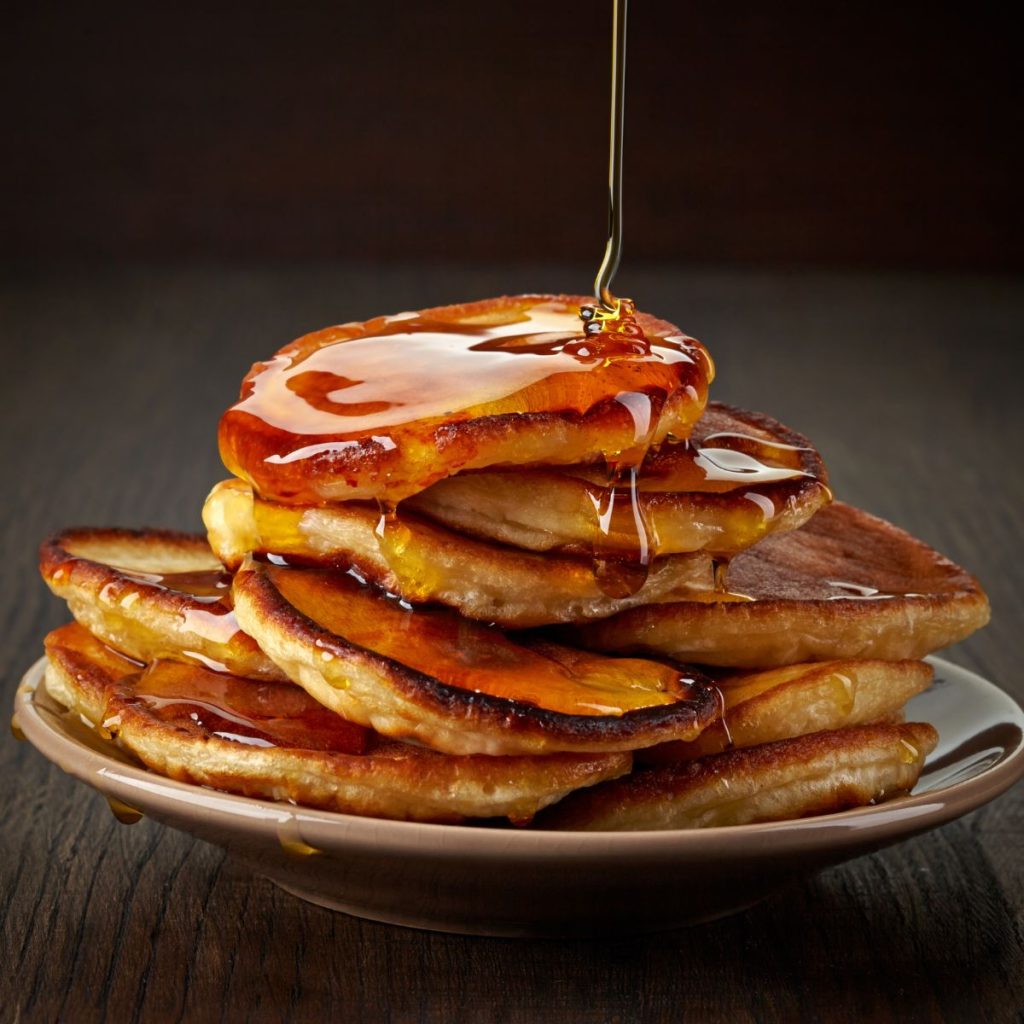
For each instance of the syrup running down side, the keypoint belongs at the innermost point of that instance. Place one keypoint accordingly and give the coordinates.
(738, 478)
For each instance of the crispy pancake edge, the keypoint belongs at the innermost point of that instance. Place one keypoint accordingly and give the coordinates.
(398, 701)
(143, 620)
(816, 774)
(826, 695)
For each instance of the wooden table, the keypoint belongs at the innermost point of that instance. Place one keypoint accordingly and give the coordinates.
(113, 382)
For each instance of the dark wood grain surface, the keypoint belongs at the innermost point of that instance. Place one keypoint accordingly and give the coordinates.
(112, 385)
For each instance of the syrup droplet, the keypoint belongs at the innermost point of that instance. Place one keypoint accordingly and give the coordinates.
(16, 730)
(909, 754)
(290, 837)
(124, 813)
(843, 691)
(721, 564)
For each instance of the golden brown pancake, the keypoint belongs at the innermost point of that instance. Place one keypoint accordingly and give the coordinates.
(816, 774)
(383, 409)
(458, 686)
(739, 477)
(152, 594)
(780, 703)
(273, 741)
(845, 585)
(422, 561)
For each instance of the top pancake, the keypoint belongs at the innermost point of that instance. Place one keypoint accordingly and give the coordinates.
(382, 409)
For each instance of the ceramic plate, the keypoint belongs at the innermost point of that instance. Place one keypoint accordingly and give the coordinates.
(507, 882)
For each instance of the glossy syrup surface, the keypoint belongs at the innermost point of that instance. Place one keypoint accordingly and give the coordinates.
(476, 657)
(723, 453)
(244, 710)
(208, 586)
(210, 612)
(370, 403)
(528, 356)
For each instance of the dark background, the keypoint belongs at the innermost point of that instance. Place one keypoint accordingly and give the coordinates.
(799, 133)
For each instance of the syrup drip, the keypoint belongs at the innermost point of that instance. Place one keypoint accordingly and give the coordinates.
(723, 719)
(721, 575)
(909, 754)
(16, 730)
(621, 572)
(479, 658)
(844, 692)
(244, 711)
(289, 835)
(125, 813)
(619, 513)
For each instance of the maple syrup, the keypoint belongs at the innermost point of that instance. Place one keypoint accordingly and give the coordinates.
(472, 656)
(243, 710)
(616, 135)
(16, 730)
(385, 408)
(210, 589)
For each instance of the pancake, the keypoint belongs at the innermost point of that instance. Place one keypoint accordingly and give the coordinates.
(740, 477)
(845, 585)
(762, 707)
(817, 774)
(383, 409)
(152, 594)
(458, 686)
(273, 741)
(424, 562)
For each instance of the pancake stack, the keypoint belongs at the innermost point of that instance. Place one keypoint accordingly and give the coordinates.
(502, 562)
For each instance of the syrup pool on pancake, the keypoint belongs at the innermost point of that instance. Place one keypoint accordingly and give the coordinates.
(382, 409)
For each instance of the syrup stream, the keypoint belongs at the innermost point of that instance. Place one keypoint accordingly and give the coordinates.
(613, 249)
